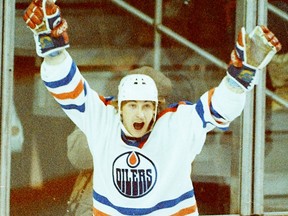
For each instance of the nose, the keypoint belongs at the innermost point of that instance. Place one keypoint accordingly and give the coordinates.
(140, 113)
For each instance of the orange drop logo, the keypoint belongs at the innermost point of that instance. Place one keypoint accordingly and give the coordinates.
(133, 160)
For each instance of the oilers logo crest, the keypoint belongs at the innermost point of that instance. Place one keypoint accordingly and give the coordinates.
(134, 174)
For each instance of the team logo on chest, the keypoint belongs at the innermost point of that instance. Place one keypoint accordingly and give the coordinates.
(134, 174)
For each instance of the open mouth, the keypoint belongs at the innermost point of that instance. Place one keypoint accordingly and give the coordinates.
(138, 126)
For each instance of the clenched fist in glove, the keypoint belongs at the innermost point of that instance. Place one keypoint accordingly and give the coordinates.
(251, 54)
(43, 17)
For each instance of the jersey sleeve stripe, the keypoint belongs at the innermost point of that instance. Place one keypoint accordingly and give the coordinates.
(210, 94)
(219, 119)
(66, 80)
(215, 118)
(80, 108)
(70, 95)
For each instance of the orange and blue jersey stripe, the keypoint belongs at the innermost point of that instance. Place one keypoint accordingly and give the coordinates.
(146, 211)
(73, 94)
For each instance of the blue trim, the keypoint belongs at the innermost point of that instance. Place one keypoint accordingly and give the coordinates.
(143, 211)
(200, 111)
(80, 108)
(109, 98)
(175, 105)
(131, 141)
(85, 89)
(214, 112)
(240, 52)
(65, 80)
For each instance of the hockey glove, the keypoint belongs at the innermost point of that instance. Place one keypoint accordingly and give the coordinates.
(251, 54)
(43, 17)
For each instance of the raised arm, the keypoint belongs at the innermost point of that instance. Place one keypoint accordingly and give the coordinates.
(251, 54)
(59, 72)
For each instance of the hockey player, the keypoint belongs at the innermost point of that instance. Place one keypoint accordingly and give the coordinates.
(142, 159)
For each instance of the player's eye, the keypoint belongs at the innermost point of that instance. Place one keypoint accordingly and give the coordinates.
(148, 105)
(132, 105)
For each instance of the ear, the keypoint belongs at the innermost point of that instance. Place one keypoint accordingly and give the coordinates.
(161, 104)
(161, 100)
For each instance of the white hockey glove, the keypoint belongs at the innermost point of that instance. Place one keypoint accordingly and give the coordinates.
(43, 17)
(251, 54)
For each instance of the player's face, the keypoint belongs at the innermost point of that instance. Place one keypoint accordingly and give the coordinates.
(137, 115)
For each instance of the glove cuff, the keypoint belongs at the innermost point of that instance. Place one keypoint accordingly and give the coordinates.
(246, 76)
(45, 44)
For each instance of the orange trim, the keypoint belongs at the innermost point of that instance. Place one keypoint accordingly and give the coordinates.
(182, 102)
(210, 93)
(102, 98)
(240, 40)
(70, 95)
(219, 122)
(141, 145)
(172, 109)
(96, 212)
(105, 101)
(182, 212)
(186, 211)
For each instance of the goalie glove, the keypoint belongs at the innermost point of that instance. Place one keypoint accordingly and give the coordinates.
(43, 17)
(251, 54)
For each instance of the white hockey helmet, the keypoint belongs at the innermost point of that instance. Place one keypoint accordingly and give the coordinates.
(137, 87)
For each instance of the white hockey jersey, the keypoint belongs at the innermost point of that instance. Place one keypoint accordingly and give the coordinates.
(153, 177)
